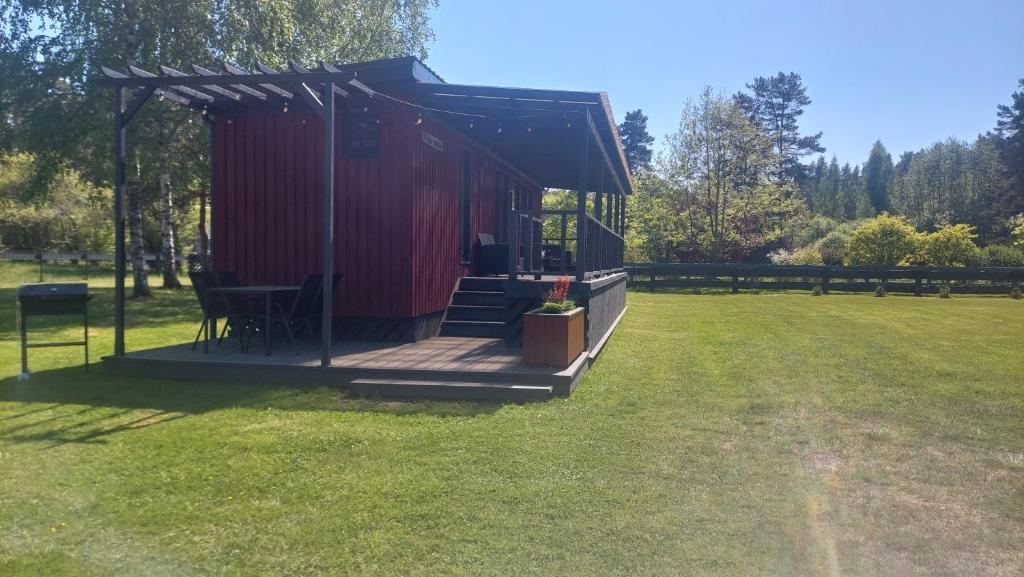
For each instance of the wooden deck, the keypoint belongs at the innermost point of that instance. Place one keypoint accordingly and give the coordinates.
(441, 367)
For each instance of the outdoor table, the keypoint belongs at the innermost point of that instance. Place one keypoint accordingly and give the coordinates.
(268, 292)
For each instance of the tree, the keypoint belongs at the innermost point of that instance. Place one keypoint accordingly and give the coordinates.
(883, 240)
(54, 48)
(726, 214)
(878, 171)
(951, 246)
(636, 141)
(653, 223)
(1010, 129)
(775, 106)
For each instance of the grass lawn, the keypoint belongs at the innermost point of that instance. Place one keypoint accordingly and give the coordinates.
(770, 434)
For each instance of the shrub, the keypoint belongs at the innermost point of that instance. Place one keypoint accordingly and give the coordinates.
(884, 240)
(1015, 292)
(880, 290)
(832, 247)
(557, 299)
(807, 255)
(808, 229)
(944, 291)
(1002, 255)
(951, 246)
(816, 291)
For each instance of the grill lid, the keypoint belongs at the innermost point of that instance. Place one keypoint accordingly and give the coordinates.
(53, 290)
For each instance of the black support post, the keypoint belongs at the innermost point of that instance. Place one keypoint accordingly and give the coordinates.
(581, 201)
(328, 228)
(120, 134)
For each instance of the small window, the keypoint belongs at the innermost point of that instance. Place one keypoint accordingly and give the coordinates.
(466, 245)
(360, 132)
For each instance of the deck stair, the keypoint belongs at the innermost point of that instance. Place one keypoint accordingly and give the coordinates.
(478, 308)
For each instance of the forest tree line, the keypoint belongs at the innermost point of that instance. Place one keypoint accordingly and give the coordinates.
(739, 181)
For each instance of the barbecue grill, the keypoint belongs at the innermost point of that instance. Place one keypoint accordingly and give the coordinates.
(52, 299)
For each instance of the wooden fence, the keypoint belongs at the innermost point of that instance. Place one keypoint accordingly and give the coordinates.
(896, 279)
(83, 260)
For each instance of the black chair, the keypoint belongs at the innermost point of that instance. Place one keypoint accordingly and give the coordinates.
(552, 259)
(239, 306)
(297, 316)
(493, 255)
(214, 306)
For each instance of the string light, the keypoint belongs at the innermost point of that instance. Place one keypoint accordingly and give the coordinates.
(161, 98)
(499, 129)
(204, 111)
(419, 119)
(471, 124)
(285, 108)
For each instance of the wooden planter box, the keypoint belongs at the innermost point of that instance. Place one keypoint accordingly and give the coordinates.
(552, 340)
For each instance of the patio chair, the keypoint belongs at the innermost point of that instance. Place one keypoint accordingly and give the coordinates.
(239, 306)
(215, 307)
(295, 317)
(493, 255)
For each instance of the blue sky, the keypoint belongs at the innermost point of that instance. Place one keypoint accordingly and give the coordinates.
(908, 73)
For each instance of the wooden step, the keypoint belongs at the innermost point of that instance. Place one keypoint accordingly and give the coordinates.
(488, 284)
(452, 390)
(485, 329)
(477, 313)
(479, 298)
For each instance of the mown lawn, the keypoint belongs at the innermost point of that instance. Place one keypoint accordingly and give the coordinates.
(770, 434)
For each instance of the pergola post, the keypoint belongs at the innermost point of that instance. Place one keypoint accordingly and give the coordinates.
(581, 201)
(328, 228)
(120, 137)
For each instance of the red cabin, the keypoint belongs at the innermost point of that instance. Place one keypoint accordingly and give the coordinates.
(425, 196)
(422, 168)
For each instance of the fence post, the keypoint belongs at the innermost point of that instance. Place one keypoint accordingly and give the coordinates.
(917, 283)
(39, 257)
(824, 279)
(735, 279)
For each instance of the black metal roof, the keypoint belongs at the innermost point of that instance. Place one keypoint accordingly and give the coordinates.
(538, 131)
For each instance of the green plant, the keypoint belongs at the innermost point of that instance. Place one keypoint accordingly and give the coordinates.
(816, 291)
(944, 291)
(880, 290)
(886, 240)
(1002, 255)
(557, 300)
(832, 247)
(950, 246)
(1015, 291)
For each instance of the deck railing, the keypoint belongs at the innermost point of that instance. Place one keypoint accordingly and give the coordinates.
(531, 252)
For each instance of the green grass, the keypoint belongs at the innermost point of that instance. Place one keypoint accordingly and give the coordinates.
(770, 434)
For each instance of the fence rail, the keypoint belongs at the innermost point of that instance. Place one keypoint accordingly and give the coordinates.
(905, 279)
(36, 256)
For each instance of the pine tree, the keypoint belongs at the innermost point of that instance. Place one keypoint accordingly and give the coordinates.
(775, 105)
(878, 173)
(635, 140)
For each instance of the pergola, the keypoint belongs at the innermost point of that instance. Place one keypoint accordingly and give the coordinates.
(207, 90)
(559, 154)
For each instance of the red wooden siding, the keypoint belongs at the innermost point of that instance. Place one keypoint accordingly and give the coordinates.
(437, 182)
(268, 174)
(396, 216)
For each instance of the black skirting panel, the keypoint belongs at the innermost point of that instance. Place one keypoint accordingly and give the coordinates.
(406, 330)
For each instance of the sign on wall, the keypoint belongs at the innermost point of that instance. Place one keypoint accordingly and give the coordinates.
(432, 141)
